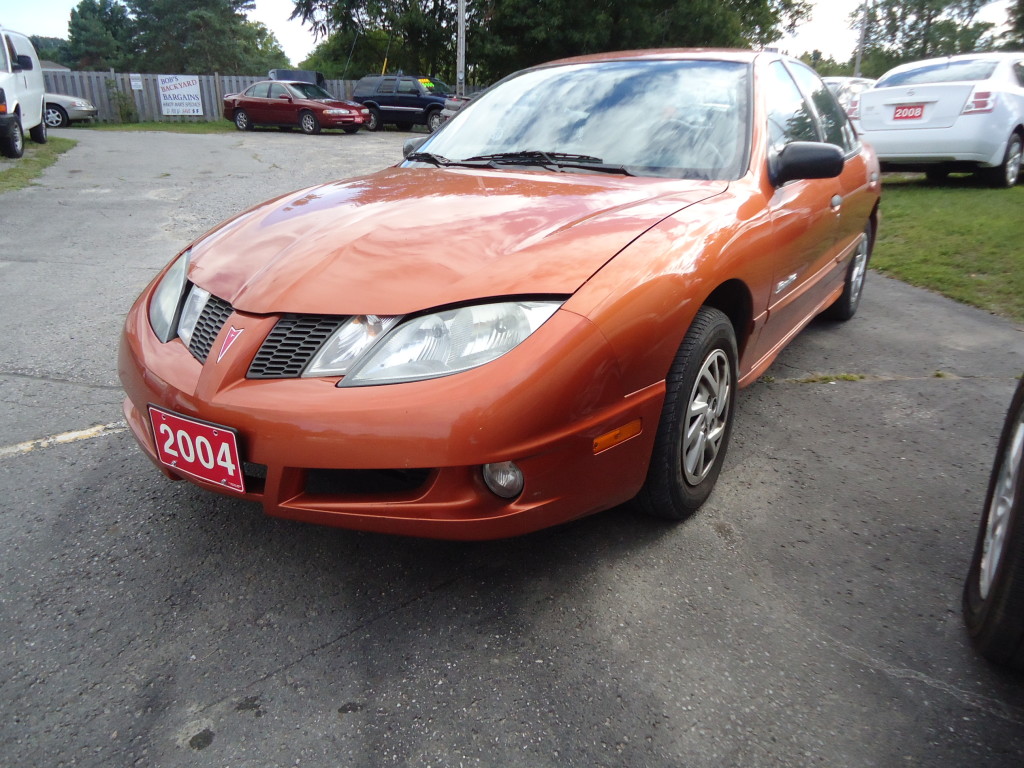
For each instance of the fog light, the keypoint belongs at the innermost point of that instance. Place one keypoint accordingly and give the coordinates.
(504, 479)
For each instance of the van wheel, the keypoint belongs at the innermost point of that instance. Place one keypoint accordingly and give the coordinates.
(38, 133)
(13, 144)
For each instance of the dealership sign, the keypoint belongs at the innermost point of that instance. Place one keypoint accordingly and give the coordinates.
(179, 95)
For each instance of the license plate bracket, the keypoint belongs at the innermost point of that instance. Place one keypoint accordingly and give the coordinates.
(198, 448)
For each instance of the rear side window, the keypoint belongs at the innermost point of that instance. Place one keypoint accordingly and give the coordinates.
(962, 70)
(258, 91)
(1018, 71)
(387, 85)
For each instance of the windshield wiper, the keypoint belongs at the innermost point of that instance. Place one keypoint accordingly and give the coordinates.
(550, 160)
(428, 157)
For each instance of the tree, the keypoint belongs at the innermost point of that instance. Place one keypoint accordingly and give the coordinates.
(1014, 38)
(99, 35)
(51, 49)
(202, 36)
(909, 30)
(505, 35)
(348, 55)
(826, 66)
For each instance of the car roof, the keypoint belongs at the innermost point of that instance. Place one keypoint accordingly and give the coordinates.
(986, 56)
(717, 54)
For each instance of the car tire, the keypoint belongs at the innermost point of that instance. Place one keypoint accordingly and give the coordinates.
(993, 599)
(56, 116)
(242, 121)
(1007, 173)
(403, 126)
(350, 129)
(434, 120)
(696, 419)
(845, 307)
(13, 144)
(374, 123)
(308, 123)
(937, 175)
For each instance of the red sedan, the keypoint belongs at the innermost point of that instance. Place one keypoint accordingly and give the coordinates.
(286, 103)
(542, 313)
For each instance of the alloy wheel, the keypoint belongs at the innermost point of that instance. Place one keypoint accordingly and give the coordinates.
(707, 417)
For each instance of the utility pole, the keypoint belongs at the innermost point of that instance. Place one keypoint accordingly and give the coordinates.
(460, 62)
(863, 38)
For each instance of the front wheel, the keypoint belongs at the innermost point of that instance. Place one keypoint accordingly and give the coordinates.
(696, 419)
(993, 601)
(13, 144)
(1006, 175)
(56, 117)
(846, 305)
(309, 124)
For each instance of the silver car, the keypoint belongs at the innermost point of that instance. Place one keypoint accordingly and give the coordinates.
(959, 113)
(62, 110)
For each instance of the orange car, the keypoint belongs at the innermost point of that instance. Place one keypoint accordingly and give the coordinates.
(543, 312)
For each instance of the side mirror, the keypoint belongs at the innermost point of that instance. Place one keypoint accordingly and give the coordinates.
(411, 145)
(806, 160)
(24, 63)
(285, 96)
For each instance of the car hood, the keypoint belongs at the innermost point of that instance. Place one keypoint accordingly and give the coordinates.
(407, 239)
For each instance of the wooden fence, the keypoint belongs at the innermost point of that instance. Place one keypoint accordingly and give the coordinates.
(104, 89)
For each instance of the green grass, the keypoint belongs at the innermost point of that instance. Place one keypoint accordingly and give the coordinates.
(221, 126)
(17, 174)
(961, 239)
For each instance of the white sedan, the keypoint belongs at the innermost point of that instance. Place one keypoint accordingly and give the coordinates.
(62, 110)
(959, 113)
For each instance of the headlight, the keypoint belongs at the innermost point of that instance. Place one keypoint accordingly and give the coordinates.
(347, 344)
(449, 342)
(336, 112)
(163, 306)
(81, 104)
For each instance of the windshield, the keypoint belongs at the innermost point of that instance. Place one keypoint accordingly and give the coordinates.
(434, 86)
(310, 91)
(941, 72)
(681, 119)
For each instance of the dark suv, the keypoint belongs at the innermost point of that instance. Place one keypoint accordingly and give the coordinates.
(402, 100)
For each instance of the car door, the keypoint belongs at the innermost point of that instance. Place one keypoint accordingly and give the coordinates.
(386, 97)
(409, 101)
(281, 108)
(804, 215)
(254, 101)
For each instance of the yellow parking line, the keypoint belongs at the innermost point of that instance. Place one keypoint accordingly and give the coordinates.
(99, 430)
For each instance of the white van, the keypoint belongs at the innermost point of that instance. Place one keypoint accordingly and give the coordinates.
(22, 104)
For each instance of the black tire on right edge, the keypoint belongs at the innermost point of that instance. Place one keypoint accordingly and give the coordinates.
(700, 398)
(993, 599)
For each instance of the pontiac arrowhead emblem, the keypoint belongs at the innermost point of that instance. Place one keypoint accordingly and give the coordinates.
(233, 333)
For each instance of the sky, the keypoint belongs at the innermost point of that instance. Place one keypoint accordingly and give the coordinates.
(827, 30)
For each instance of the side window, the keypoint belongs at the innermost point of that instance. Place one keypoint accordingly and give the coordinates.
(834, 123)
(1018, 70)
(4, 67)
(387, 85)
(789, 117)
(277, 90)
(258, 91)
(406, 85)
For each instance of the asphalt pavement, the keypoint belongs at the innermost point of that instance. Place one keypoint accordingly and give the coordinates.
(808, 615)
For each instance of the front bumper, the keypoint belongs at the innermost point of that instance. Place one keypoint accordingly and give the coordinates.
(76, 114)
(406, 458)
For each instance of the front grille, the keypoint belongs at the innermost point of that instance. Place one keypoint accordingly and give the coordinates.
(211, 320)
(294, 341)
(347, 482)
